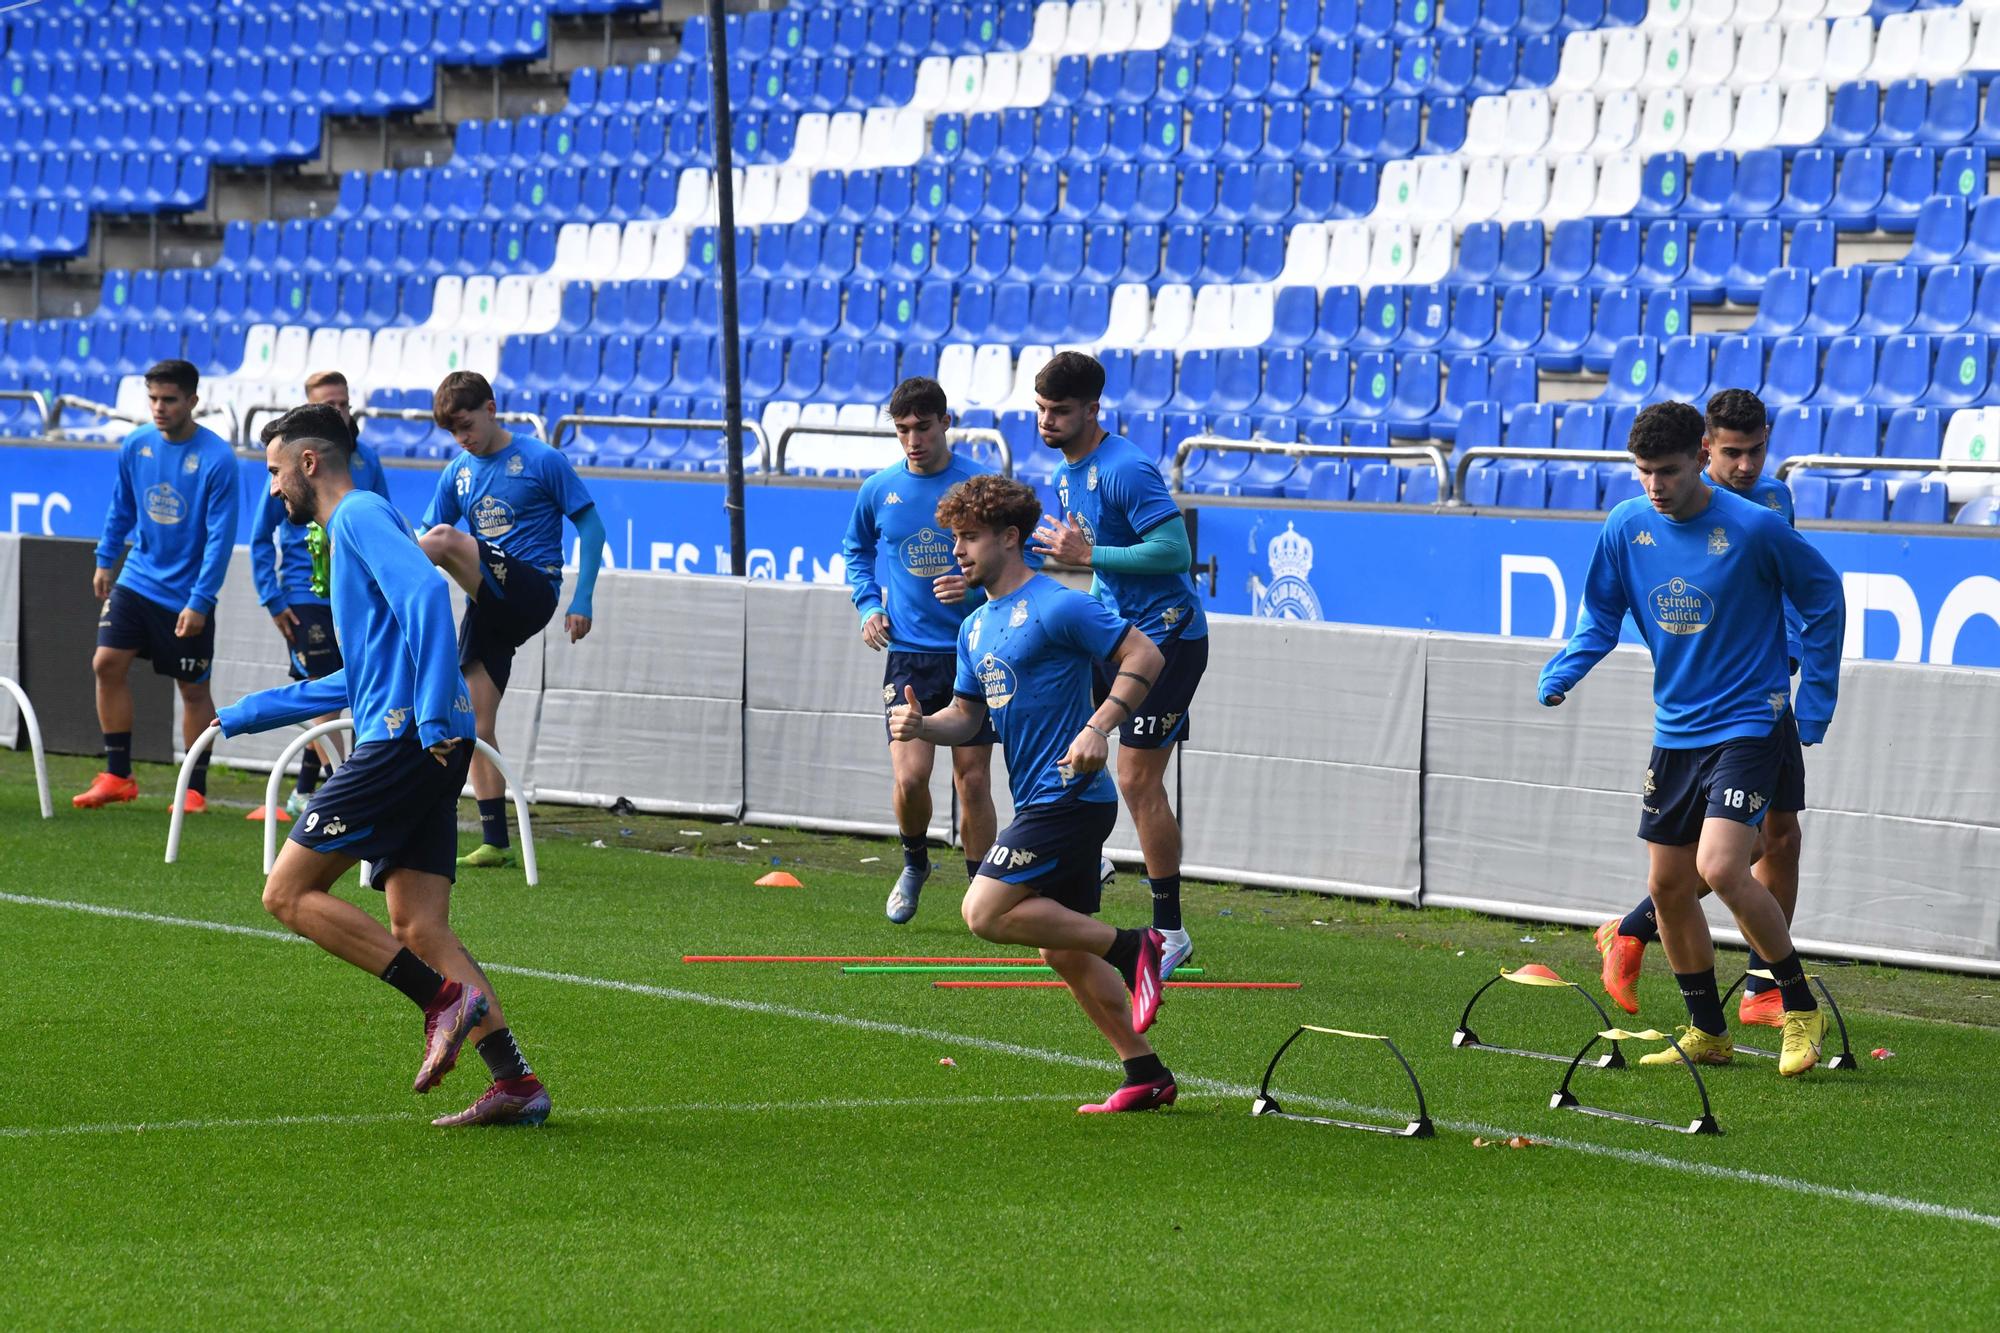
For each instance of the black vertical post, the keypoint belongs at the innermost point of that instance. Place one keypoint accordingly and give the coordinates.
(725, 262)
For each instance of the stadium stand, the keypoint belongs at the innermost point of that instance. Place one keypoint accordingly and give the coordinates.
(1488, 223)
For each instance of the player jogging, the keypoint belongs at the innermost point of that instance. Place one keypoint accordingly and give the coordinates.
(394, 803)
(282, 567)
(912, 604)
(1026, 661)
(175, 500)
(1120, 521)
(513, 492)
(1738, 437)
(1704, 574)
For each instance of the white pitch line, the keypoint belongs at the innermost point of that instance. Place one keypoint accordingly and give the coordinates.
(566, 1113)
(1219, 1087)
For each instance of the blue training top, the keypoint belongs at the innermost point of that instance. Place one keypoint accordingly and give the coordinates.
(279, 561)
(1117, 495)
(392, 615)
(1775, 496)
(1707, 593)
(515, 499)
(1030, 656)
(897, 510)
(177, 505)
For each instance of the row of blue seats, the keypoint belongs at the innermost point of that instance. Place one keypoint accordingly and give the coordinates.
(1859, 430)
(327, 246)
(882, 30)
(1880, 300)
(1731, 258)
(371, 298)
(1530, 485)
(108, 182)
(232, 135)
(459, 34)
(1947, 112)
(1862, 188)
(563, 194)
(1910, 369)
(1566, 329)
(35, 351)
(344, 85)
(50, 229)
(995, 251)
(86, 11)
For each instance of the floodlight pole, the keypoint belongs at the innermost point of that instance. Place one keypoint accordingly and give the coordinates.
(720, 129)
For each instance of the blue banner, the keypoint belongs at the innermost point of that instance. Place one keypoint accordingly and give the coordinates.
(1911, 598)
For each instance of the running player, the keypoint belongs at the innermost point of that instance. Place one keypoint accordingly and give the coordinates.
(1025, 661)
(394, 803)
(175, 499)
(912, 606)
(513, 492)
(282, 568)
(1738, 437)
(1704, 573)
(1120, 521)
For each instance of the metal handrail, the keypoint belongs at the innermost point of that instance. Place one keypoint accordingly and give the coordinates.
(1836, 461)
(35, 396)
(534, 419)
(956, 435)
(1429, 453)
(1466, 458)
(565, 424)
(52, 415)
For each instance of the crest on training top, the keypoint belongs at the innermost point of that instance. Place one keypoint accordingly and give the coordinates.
(1090, 479)
(1718, 542)
(192, 465)
(1019, 616)
(516, 466)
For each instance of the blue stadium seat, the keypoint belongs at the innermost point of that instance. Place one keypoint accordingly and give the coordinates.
(1919, 502)
(1859, 500)
(1914, 432)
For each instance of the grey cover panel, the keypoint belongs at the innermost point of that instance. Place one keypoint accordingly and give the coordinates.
(10, 632)
(1483, 719)
(680, 753)
(804, 651)
(830, 769)
(1544, 847)
(1893, 883)
(1910, 741)
(1344, 827)
(1292, 690)
(655, 634)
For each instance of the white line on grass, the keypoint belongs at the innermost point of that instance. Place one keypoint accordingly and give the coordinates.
(1219, 1087)
(568, 1113)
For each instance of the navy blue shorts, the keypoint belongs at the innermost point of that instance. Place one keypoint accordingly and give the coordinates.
(129, 620)
(390, 804)
(1055, 850)
(932, 675)
(1162, 719)
(1791, 794)
(1736, 780)
(314, 651)
(515, 603)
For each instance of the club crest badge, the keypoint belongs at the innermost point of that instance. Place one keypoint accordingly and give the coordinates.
(1290, 595)
(1019, 616)
(1090, 479)
(1718, 542)
(516, 466)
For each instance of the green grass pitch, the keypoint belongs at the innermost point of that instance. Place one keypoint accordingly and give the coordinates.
(209, 1127)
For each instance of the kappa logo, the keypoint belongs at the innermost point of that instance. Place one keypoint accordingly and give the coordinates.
(892, 499)
(1019, 616)
(1756, 800)
(1062, 493)
(1718, 542)
(334, 827)
(1011, 858)
(1645, 538)
(396, 719)
(1779, 701)
(1173, 616)
(462, 483)
(978, 622)
(1168, 721)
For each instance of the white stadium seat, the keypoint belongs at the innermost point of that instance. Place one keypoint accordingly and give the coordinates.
(1132, 309)
(1392, 254)
(1850, 46)
(1346, 255)
(1947, 44)
(1667, 59)
(1618, 185)
(1617, 123)
(1173, 316)
(1528, 114)
(1759, 112)
(1086, 20)
(1713, 58)
(446, 301)
(1051, 26)
(1760, 49)
(992, 376)
(1120, 27)
(1582, 61)
(1156, 25)
(1435, 254)
(1208, 326)
(1667, 13)
(1899, 45)
(1804, 120)
(1526, 193)
(1486, 127)
(1665, 121)
(1711, 115)
(1573, 191)
(1440, 187)
(1305, 257)
(1805, 51)
(1574, 124)
(1396, 194)
(1624, 60)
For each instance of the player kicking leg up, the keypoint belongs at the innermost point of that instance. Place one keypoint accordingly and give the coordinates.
(912, 598)
(513, 491)
(1025, 662)
(1705, 574)
(395, 801)
(1120, 521)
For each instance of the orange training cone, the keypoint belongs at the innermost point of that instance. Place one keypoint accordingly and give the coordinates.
(778, 879)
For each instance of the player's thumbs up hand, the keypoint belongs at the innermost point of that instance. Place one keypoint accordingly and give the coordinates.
(906, 721)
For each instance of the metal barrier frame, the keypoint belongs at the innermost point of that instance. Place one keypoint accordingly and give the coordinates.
(566, 424)
(1428, 453)
(956, 435)
(1468, 457)
(533, 419)
(1839, 463)
(35, 396)
(52, 415)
